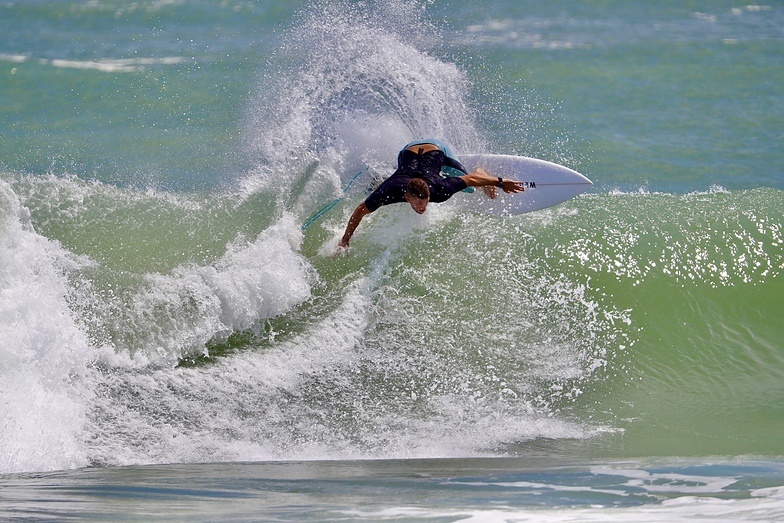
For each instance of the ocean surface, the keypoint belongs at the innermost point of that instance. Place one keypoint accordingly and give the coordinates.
(173, 346)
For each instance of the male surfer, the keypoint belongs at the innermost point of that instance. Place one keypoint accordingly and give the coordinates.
(418, 181)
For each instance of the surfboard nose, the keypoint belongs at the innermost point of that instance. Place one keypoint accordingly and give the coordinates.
(546, 183)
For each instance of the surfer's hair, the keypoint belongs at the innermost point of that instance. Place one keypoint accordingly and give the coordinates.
(418, 189)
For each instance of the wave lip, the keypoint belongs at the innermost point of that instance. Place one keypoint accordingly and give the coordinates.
(175, 315)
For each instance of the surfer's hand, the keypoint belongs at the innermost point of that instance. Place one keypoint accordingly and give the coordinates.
(479, 178)
(512, 186)
(342, 250)
(490, 191)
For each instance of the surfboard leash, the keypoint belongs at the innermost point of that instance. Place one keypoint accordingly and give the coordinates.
(324, 210)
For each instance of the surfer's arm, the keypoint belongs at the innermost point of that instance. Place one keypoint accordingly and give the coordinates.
(480, 178)
(360, 212)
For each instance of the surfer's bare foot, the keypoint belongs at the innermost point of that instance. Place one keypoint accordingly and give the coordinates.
(490, 191)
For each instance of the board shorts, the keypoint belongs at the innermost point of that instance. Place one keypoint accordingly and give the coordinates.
(447, 170)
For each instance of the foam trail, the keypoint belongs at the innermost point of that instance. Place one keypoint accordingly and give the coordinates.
(252, 406)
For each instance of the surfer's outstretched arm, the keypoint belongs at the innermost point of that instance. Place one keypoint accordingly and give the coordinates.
(360, 212)
(480, 178)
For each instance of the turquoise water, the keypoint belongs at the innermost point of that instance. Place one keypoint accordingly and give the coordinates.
(161, 309)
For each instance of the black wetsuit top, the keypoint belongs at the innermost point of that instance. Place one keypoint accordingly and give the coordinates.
(418, 165)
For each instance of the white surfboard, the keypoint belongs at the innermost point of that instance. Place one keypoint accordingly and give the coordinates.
(546, 184)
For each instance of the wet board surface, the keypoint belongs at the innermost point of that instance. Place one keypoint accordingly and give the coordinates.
(546, 184)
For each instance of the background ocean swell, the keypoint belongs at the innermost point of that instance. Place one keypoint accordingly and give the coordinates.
(148, 322)
(700, 275)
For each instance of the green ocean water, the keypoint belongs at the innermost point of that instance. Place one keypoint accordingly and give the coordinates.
(160, 304)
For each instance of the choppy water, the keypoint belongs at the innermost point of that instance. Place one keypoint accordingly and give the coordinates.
(160, 304)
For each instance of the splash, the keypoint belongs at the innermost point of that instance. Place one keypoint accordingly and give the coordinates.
(69, 322)
(350, 84)
(368, 357)
(44, 352)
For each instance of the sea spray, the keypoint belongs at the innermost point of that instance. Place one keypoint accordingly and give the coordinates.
(379, 88)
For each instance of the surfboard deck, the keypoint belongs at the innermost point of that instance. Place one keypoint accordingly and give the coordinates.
(546, 184)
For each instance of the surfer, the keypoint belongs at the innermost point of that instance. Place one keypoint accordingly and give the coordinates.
(418, 181)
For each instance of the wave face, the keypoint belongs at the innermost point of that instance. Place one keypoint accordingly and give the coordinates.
(149, 317)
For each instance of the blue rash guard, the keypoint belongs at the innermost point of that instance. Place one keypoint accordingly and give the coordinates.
(418, 165)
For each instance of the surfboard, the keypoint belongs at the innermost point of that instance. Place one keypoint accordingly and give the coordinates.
(546, 184)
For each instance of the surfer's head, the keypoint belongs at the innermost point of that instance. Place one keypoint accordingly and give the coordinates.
(418, 195)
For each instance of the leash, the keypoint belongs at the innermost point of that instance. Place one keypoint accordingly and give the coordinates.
(324, 210)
